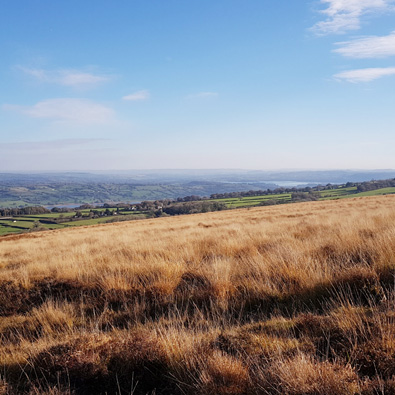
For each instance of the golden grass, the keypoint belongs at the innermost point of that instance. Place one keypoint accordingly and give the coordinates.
(293, 299)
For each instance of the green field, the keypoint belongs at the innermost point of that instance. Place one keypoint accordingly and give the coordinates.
(31, 222)
(249, 201)
(24, 224)
(52, 215)
(7, 231)
(28, 223)
(383, 191)
(330, 194)
(342, 193)
(337, 193)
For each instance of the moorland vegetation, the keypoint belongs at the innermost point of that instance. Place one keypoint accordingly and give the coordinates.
(291, 299)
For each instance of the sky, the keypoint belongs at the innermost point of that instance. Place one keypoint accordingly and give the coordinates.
(197, 84)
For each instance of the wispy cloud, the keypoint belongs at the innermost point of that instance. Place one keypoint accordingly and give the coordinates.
(345, 15)
(365, 75)
(50, 144)
(67, 109)
(66, 77)
(203, 95)
(368, 47)
(137, 96)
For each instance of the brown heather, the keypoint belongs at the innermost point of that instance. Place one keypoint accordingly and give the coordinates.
(292, 299)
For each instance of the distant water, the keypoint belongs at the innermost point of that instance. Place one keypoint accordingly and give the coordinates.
(280, 183)
(294, 183)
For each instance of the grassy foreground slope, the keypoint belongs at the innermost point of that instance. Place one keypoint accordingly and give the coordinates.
(291, 299)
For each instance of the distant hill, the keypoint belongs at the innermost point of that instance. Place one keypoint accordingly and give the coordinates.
(48, 189)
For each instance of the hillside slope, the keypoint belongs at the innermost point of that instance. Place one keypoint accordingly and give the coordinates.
(291, 299)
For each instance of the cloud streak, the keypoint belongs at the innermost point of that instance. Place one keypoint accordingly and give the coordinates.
(365, 75)
(50, 144)
(66, 77)
(137, 96)
(368, 47)
(67, 109)
(345, 15)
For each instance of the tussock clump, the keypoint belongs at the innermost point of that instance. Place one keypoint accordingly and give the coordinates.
(13, 298)
(376, 356)
(48, 319)
(223, 374)
(194, 283)
(303, 375)
(256, 342)
(101, 363)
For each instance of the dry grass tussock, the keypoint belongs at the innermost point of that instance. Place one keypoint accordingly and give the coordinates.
(293, 299)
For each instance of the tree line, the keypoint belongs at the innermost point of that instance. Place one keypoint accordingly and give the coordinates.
(13, 212)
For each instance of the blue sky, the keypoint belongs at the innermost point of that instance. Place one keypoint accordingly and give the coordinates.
(161, 84)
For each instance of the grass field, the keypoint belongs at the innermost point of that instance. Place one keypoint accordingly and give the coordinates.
(382, 191)
(291, 299)
(27, 222)
(249, 201)
(338, 192)
(331, 194)
(352, 192)
(51, 216)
